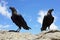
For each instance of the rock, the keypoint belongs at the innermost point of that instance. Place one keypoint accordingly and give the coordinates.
(49, 35)
(44, 35)
(5, 35)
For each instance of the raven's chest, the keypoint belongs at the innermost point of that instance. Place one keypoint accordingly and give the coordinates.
(14, 19)
(49, 19)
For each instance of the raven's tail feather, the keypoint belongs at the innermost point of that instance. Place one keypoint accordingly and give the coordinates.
(27, 28)
(43, 28)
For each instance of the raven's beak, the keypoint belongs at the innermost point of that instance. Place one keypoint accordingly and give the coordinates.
(52, 9)
(9, 7)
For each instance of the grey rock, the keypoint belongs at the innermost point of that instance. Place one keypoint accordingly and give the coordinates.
(44, 35)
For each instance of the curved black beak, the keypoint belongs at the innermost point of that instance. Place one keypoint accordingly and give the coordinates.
(11, 8)
(52, 9)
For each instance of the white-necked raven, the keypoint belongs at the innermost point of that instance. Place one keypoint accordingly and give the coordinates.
(18, 20)
(47, 20)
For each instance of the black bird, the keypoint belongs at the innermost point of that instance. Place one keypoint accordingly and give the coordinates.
(18, 20)
(47, 20)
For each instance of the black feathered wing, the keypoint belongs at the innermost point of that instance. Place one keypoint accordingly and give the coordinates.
(44, 23)
(23, 22)
(47, 21)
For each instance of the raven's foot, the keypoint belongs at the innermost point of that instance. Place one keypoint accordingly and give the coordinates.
(12, 31)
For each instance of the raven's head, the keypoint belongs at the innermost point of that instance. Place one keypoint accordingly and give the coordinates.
(50, 10)
(12, 8)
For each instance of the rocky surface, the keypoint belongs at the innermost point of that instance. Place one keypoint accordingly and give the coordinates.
(44, 35)
(49, 35)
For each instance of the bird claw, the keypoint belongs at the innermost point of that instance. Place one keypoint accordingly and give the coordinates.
(12, 31)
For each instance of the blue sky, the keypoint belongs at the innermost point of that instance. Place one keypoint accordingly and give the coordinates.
(33, 12)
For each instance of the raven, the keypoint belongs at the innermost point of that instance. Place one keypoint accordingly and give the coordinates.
(18, 20)
(47, 20)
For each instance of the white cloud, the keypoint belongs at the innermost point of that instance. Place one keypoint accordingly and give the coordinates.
(4, 10)
(40, 19)
(4, 26)
(41, 15)
(53, 27)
